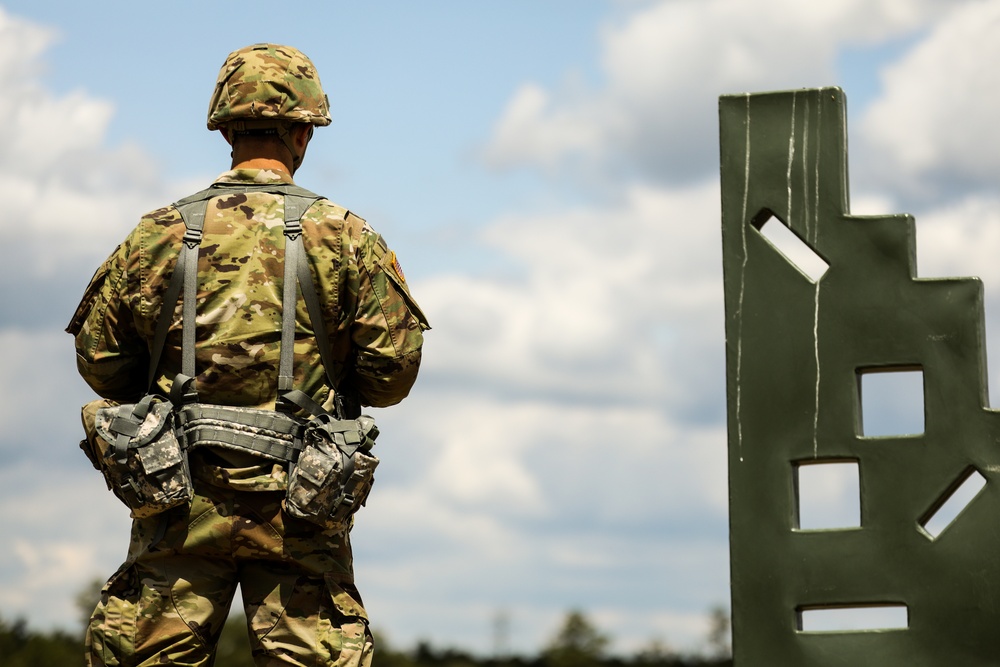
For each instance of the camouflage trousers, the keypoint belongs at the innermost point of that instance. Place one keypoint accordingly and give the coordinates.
(167, 604)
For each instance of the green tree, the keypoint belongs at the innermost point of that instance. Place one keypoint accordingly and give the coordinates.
(577, 644)
(20, 647)
(656, 653)
(719, 643)
(233, 649)
(87, 598)
(386, 655)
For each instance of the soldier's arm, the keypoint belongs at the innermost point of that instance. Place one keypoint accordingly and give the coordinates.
(110, 354)
(387, 333)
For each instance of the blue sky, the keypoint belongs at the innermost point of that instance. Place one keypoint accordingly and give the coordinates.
(404, 79)
(547, 173)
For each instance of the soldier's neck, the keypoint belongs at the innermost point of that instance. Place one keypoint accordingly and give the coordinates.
(262, 163)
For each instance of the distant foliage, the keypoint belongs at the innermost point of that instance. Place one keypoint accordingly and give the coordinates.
(577, 643)
(20, 647)
(234, 644)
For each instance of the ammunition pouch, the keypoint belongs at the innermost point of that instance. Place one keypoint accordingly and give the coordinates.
(331, 468)
(335, 471)
(142, 451)
(91, 446)
(135, 446)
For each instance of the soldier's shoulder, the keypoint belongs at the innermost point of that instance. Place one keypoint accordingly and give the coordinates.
(327, 211)
(165, 216)
(351, 225)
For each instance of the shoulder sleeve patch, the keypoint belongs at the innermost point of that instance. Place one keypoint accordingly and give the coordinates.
(394, 265)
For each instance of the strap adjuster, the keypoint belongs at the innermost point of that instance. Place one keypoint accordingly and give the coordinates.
(293, 229)
(192, 238)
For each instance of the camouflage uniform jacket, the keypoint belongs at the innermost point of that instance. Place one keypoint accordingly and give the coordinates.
(375, 326)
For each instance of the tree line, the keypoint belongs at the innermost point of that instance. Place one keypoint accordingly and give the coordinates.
(577, 643)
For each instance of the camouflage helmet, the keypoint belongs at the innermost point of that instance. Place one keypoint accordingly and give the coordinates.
(268, 82)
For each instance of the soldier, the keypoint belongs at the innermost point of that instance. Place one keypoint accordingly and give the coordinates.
(168, 602)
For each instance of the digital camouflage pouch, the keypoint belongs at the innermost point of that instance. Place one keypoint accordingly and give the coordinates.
(135, 446)
(335, 471)
(91, 446)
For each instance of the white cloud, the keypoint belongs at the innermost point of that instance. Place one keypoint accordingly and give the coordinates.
(958, 238)
(934, 127)
(513, 459)
(621, 583)
(25, 42)
(66, 195)
(608, 303)
(664, 67)
(550, 441)
(36, 362)
(63, 529)
(67, 199)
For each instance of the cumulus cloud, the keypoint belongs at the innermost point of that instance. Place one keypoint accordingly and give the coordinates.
(652, 119)
(67, 199)
(606, 304)
(66, 195)
(933, 130)
(569, 420)
(63, 529)
(37, 382)
(664, 65)
(959, 237)
(610, 536)
(536, 598)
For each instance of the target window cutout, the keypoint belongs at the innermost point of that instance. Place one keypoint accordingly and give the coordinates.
(946, 509)
(798, 253)
(853, 618)
(891, 400)
(827, 495)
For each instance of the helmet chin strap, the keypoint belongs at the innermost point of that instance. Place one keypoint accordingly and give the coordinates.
(286, 138)
(281, 130)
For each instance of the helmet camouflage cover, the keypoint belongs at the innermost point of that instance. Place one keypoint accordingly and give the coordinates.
(268, 82)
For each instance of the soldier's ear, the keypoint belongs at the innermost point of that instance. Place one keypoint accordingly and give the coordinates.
(225, 135)
(301, 134)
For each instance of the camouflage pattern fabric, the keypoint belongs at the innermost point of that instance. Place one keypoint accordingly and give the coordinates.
(268, 82)
(167, 604)
(322, 487)
(150, 475)
(91, 446)
(375, 326)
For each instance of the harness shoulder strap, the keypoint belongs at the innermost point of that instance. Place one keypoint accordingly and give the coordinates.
(295, 207)
(297, 274)
(192, 210)
(193, 214)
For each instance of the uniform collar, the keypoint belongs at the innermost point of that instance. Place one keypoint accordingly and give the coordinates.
(254, 176)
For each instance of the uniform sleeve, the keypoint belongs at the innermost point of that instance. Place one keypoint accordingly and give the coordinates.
(110, 354)
(387, 333)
